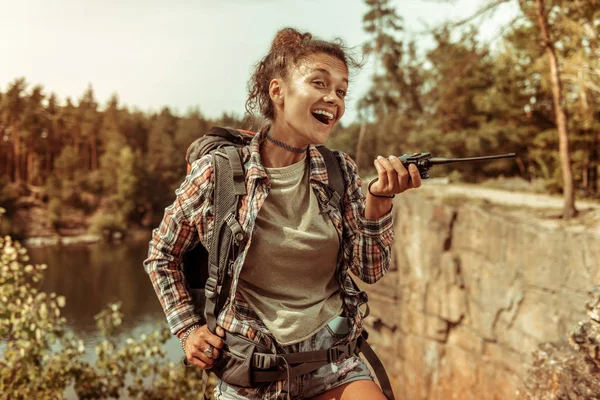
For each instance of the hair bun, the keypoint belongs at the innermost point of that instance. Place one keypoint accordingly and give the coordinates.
(289, 37)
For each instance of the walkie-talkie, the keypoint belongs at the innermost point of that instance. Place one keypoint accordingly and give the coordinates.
(424, 161)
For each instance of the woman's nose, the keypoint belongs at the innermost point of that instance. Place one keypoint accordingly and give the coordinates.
(331, 97)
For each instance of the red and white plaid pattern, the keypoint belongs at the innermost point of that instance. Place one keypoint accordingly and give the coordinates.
(365, 243)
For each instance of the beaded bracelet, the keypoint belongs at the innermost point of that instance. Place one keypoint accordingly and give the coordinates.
(376, 195)
(186, 334)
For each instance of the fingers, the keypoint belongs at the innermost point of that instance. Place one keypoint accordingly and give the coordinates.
(194, 353)
(220, 331)
(393, 174)
(402, 176)
(192, 360)
(217, 343)
(394, 177)
(198, 342)
(415, 176)
(381, 172)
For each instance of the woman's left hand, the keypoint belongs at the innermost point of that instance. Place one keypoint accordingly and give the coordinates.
(393, 178)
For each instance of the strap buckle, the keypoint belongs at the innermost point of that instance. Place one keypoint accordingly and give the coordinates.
(332, 203)
(261, 360)
(239, 236)
(340, 352)
(210, 288)
(336, 354)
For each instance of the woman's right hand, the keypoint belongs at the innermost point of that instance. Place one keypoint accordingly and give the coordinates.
(198, 342)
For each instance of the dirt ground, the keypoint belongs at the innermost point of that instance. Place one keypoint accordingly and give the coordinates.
(545, 208)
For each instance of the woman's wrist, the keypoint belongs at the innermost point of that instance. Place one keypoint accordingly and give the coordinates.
(187, 333)
(377, 195)
(377, 207)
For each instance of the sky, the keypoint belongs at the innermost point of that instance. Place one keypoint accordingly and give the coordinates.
(187, 54)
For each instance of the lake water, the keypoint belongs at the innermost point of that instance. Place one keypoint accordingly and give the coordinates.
(91, 276)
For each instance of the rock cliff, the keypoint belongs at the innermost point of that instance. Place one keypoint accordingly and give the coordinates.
(473, 291)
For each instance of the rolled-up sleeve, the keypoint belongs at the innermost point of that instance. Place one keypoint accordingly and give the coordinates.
(367, 243)
(185, 223)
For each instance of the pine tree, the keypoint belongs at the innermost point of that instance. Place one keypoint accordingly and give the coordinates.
(394, 100)
(549, 44)
(89, 123)
(11, 115)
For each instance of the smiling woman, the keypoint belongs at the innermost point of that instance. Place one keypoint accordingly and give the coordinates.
(301, 86)
(292, 325)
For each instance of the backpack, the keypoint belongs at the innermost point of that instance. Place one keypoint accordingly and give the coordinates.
(208, 271)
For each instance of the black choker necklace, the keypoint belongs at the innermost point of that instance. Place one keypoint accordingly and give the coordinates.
(285, 145)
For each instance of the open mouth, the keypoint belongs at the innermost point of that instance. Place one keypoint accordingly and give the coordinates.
(323, 117)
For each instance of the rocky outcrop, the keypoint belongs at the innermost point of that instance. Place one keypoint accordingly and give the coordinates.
(561, 371)
(472, 293)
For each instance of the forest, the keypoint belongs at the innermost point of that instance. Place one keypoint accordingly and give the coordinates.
(535, 92)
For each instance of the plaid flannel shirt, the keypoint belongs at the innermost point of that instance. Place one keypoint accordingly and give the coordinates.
(365, 244)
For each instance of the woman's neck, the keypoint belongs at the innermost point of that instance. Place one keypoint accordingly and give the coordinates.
(275, 155)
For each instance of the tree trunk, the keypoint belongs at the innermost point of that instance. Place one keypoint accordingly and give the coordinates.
(17, 156)
(561, 118)
(77, 149)
(29, 171)
(94, 150)
(595, 157)
(4, 163)
(588, 120)
(585, 169)
(9, 164)
(522, 169)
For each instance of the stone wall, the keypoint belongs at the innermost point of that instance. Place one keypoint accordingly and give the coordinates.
(471, 293)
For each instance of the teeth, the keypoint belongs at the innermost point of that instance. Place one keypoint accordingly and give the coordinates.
(325, 113)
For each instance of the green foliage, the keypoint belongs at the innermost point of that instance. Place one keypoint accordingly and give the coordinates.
(75, 151)
(119, 179)
(461, 98)
(8, 195)
(345, 139)
(107, 223)
(55, 207)
(70, 186)
(40, 358)
(66, 163)
(7, 226)
(458, 97)
(190, 127)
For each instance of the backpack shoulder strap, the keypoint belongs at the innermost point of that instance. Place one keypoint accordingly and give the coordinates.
(227, 233)
(335, 177)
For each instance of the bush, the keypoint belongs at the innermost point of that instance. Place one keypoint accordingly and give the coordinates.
(55, 207)
(41, 359)
(107, 223)
(569, 370)
(9, 227)
(9, 195)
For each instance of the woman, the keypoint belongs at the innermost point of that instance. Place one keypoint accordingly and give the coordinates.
(290, 283)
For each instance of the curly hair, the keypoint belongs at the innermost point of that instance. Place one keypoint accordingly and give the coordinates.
(288, 48)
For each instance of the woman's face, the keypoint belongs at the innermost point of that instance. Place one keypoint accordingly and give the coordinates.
(311, 100)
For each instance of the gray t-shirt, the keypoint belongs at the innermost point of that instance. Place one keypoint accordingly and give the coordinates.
(288, 277)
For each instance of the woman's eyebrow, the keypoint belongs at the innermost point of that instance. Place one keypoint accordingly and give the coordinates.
(327, 73)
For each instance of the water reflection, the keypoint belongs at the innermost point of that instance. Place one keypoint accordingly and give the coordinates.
(91, 276)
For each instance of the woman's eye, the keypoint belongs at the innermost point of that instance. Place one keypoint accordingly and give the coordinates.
(342, 93)
(319, 83)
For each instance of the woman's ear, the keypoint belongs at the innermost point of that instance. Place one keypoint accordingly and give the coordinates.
(277, 91)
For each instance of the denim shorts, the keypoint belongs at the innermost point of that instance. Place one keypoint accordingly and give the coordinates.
(305, 386)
